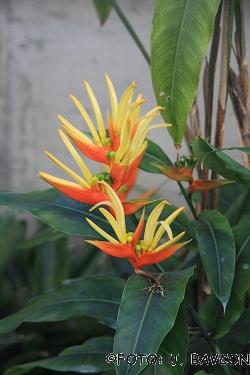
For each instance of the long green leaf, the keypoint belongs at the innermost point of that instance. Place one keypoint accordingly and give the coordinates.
(153, 155)
(234, 212)
(239, 336)
(175, 343)
(228, 194)
(181, 32)
(12, 232)
(144, 319)
(89, 357)
(97, 297)
(211, 312)
(46, 234)
(171, 356)
(217, 250)
(221, 163)
(50, 265)
(56, 210)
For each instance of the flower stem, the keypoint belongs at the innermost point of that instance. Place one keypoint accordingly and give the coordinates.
(158, 267)
(130, 29)
(188, 200)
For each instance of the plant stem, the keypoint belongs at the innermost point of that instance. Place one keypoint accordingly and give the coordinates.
(188, 200)
(227, 27)
(225, 60)
(209, 75)
(130, 29)
(197, 320)
(159, 268)
(224, 369)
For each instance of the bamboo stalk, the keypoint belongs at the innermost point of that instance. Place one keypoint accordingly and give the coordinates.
(209, 75)
(241, 56)
(227, 27)
(225, 58)
(239, 107)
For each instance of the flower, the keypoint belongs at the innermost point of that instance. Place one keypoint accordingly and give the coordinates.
(87, 189)
(184, 173)
(140, 252)
(123, 145)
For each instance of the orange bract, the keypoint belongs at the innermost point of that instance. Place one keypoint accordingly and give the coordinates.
(122, 146)
(140, 252)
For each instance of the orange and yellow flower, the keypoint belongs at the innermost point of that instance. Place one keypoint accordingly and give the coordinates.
(123, 145)
(185, 174)
(86, 189)
(139, 251)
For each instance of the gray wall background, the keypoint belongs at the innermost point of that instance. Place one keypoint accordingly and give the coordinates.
(47, 47)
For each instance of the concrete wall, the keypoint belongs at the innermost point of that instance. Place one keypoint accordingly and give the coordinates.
(47, 47)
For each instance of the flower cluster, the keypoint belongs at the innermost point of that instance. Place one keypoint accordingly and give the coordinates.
(183, 171)
(120, 147)
(139, 252)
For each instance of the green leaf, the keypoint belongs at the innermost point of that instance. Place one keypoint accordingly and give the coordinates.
(234, 212)
(86, 358)
(211, 311)
(47, 234)
(175, 343)
(12, 232)
(97, 297)
(217, 251)
(144, 318)
(171, 356)
(50, 265)
(103, 8)
(239, 335)
(228, 194)
(153, 155)
(245, 149)
(56, 210)
(181, 32)
(221, 163)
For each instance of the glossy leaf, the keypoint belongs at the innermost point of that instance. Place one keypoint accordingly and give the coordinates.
(46, 234)
(171, 356)
(217, 251)
(86, 358)
(211, 312)
(153, 155)
(144, 318)
(181, 32)
(175, 343)
(97, 297)
(245, 149)
(228, 194)
(221, 163)
(239, 336)
(12, 232)
(234, 212)
(56, 210)
(103, 8)
(50, 265)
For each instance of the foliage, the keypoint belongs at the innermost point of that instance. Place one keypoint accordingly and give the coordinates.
(78, 310)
